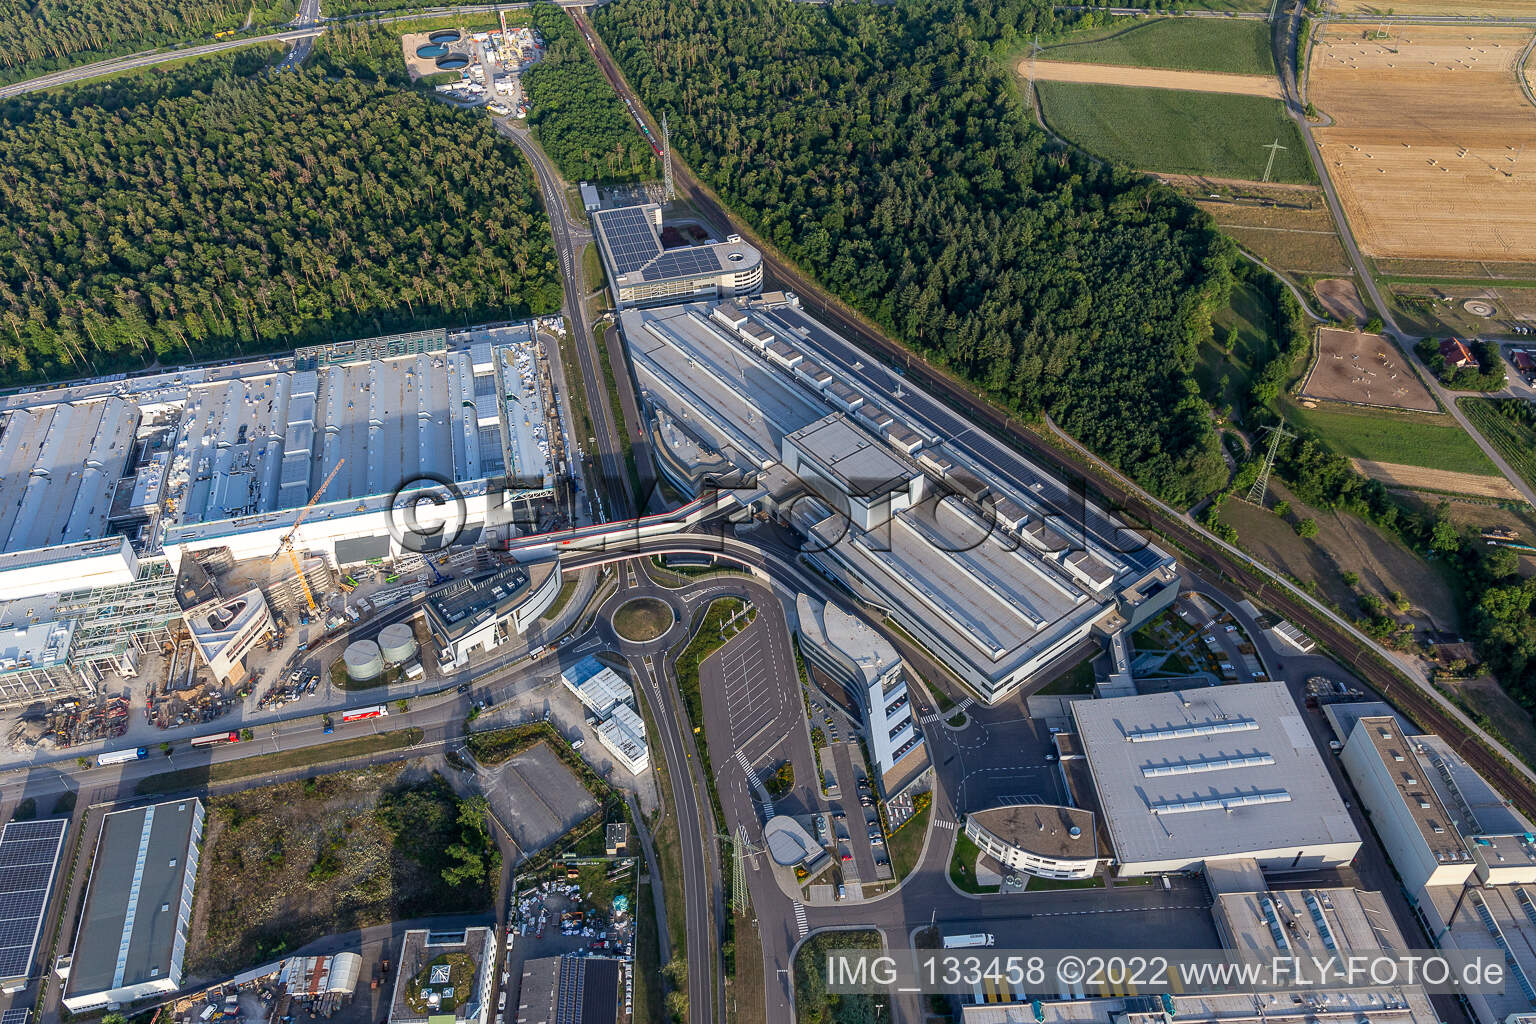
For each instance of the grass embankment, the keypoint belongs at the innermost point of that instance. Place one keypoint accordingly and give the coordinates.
(264, 764)
(561, 600)
(1182, 44)
(813, 1003)
(284, 865)
(962, 866)
(1177, 132)
(1508, 425)
(1428, 440)
(711, 635)
(905, 845)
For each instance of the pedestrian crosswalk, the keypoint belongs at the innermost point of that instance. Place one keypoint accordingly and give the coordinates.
(800, 921)
(757, 787)
(940, 823)
(943, 716)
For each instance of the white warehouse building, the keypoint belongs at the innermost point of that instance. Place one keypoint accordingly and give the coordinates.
(1213, 774)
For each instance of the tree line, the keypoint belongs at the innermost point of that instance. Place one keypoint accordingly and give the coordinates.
(578, 118)
(883, 148)
(42, 36)
(223, 216)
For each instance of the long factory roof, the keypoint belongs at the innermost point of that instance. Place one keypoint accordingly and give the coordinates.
(996, 597)
(260, 437)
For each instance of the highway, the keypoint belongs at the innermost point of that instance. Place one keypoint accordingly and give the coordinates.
(569, 238)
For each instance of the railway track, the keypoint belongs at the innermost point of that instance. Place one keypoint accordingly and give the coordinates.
(1396, 688)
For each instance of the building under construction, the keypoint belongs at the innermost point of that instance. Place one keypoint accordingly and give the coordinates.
(115, 484)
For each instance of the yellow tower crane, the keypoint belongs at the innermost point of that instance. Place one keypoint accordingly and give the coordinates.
(286, 544)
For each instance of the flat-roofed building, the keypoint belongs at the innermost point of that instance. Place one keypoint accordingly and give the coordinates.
(642, 271)
(1189, 776)
(859, 476)
(865, 665)
(29, 862)
(598, 687)
(132, 935)
(484, 612)
(623, 734)
(445, 977)
(1259, 926)
(997, 597)
(1415, 827)
(1045, 840)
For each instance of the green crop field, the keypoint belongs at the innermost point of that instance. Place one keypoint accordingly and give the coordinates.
(1430, 441)
(1177, 132)
(1184, 44)
(1515, 441)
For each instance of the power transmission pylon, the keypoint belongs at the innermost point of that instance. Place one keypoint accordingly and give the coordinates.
(668, 194)
(741, 848)
(1261, 484)
(1274, 148)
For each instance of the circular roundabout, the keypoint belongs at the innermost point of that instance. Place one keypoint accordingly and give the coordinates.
(642, 619)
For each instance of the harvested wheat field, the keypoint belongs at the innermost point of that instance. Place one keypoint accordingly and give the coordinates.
(1421, 8)
(1364, 369)
(1420, 479)
(1426, 145)
(1153, 78)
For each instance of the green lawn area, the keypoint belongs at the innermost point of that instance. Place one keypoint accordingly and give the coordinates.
(1515, 441)
(1034, 883)
(813, 1003)
(1078, 679)
(906, 845)
(261, 764)
(642, 619)
(1225, 378)
(1409, 439)
(1185, 44)
(562, 599)
(1177, 132)
(962, 866)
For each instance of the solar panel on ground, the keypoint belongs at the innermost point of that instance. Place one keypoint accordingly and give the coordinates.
(29, 857)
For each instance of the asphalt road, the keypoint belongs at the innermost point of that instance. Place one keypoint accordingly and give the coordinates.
(570, 238)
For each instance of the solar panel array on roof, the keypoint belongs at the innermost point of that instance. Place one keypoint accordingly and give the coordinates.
(29, 856)
(16, 1015)
(630, 237)
(682, 263)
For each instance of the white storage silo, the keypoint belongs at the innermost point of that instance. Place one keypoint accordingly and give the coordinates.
(397, 641)
(364, 661)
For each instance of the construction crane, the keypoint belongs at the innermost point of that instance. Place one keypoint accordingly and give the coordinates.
(286, 544)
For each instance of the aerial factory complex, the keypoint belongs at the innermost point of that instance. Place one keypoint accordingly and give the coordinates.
(982, 556)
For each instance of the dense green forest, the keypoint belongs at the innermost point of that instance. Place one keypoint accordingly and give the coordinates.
(42, 36)
(884, 149)
(237, 215)
(580, 122)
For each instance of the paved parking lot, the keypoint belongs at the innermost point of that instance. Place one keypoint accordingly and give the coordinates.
(536, 797)
(752, 685)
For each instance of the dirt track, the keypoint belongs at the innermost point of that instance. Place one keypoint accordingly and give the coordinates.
(1152, 78)
(1437, 479)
